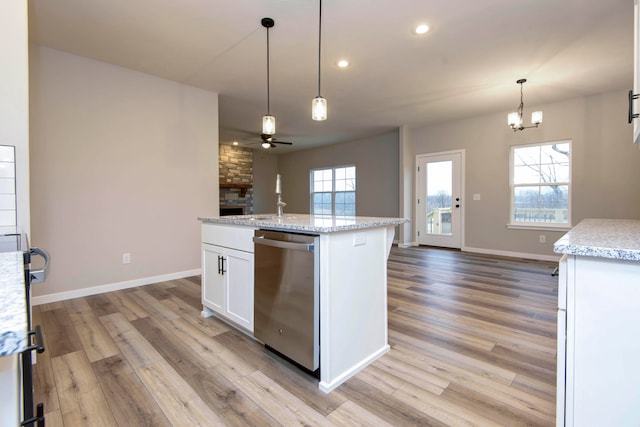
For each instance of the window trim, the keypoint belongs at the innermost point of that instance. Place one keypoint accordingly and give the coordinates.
(540, 225)
(333, 188)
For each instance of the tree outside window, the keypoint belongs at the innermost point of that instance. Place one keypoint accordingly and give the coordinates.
(333, 191)
(540, 184)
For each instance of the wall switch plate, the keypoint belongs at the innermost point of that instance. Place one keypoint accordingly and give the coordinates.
(126, 258)
(542, 238)
(476, 196)
(359, 238)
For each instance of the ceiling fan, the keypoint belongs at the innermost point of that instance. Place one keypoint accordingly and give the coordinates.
(268, 141)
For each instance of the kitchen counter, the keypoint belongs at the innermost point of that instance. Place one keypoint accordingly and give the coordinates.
(306, 223)
(13, 308)
(603, 238)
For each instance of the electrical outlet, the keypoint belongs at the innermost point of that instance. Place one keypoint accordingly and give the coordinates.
(359, 238)
(126, 258)
(542, 238)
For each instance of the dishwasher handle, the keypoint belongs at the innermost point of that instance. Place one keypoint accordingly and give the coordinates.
(260, 240)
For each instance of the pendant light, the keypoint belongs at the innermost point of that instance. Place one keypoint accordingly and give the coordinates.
(515, 119)
(319, 104)
(268, 121)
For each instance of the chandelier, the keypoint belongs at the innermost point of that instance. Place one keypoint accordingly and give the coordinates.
(515, 119)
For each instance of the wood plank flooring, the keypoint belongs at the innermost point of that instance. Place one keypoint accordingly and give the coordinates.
(473, 341)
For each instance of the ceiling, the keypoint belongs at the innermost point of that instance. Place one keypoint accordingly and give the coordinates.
(466, 65)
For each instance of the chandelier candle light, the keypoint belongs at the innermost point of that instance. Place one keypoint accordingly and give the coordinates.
(319, 104)
(268, 121)
(515, 119)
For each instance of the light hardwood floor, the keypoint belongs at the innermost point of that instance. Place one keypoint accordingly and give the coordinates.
(473, 342)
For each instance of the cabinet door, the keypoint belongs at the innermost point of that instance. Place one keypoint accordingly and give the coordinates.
(636, 69)
(213, 286)
(239, 287)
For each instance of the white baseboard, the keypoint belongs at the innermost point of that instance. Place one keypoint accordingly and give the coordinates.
(510, 254)
(329, 387)
(407, 245)
(62, 296)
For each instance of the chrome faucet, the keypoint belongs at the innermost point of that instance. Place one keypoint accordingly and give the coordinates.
(280, 203)
(281, 206)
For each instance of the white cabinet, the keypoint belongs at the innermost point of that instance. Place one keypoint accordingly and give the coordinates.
(602, 373)
(227, 273)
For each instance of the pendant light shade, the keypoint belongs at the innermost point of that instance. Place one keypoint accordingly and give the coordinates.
(268, 121)
(268, 124)
(319, 104)
(319, 108)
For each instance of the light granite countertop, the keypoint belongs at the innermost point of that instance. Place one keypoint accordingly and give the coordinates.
(306, 223)
(13, 306)
(602, 238)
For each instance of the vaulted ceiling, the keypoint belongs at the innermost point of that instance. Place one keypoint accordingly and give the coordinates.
(466, 65)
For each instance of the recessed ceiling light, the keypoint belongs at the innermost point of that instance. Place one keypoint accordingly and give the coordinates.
(421, 29)
(343, 63)
(235, 142)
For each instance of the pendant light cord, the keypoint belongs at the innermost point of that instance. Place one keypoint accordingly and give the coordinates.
(268, 92)
(319, 44)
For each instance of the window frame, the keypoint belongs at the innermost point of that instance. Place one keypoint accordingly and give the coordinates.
(333, 189)
(550, 226)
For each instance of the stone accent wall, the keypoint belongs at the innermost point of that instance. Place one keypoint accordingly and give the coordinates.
(236, 167)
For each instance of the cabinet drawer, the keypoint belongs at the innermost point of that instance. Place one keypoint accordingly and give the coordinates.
(233, 237)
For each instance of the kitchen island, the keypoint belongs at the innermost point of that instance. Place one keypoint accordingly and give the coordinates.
(352, 282)
(599, 324)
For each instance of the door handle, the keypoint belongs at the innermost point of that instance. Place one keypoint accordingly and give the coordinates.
(223, 270)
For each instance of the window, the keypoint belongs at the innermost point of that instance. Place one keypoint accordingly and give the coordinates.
(333, 191)
(541, 184)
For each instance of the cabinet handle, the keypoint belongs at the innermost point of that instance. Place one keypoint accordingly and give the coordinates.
(221, 269)
(632, 96)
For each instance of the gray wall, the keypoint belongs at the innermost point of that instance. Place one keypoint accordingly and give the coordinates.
(265, 168)
(606, 167)
(376, 161)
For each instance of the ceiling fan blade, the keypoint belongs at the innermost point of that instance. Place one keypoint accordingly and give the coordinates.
(282, 142)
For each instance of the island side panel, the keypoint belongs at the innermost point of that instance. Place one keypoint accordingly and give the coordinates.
(602, 342)
(353, 303)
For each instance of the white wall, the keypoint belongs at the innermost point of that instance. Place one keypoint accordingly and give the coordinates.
(606, 167)
(120, 162)
(14, 97)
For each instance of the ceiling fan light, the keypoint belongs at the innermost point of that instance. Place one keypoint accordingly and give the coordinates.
(536, 117)
(266, 144)
(513, 119)
(268, 124)
(319, 108)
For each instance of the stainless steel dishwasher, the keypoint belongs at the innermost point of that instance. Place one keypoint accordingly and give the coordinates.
(286, 308)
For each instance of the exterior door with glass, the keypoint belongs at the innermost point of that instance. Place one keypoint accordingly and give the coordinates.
(439, 202)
